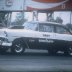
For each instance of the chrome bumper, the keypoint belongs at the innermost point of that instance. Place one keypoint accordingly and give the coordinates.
(5, 42)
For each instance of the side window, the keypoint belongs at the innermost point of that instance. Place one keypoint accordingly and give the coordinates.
(46, 28)
(61, 30)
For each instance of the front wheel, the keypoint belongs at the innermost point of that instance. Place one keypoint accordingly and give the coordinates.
(70, 49)
(18, 48)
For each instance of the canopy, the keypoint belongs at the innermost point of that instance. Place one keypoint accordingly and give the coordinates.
(29, 5)
(48, 4)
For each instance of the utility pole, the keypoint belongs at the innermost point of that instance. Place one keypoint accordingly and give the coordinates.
(35, 15)
(71, 17)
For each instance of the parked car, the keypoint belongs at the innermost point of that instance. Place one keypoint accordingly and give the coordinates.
(49, 36)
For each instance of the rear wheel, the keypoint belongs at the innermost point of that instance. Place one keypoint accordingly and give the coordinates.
(18, 47)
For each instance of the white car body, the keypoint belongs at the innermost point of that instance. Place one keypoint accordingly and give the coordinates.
(38, 39)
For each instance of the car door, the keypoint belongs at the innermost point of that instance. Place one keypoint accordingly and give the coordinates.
(46, 35)
(62, 37)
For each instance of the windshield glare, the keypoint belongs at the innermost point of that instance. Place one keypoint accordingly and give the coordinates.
(31, 26)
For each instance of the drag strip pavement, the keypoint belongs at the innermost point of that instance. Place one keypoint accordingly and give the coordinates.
(35, 62)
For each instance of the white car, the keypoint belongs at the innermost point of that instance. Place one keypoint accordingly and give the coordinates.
(49, 36)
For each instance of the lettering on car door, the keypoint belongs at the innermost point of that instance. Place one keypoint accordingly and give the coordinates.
(47, 33)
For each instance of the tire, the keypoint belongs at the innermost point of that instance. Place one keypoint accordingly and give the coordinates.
(17, 47)
(70, 49)
(52, 52)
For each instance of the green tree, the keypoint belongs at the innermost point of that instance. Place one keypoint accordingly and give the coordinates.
(59, 20)
(20, 18)
(3, 18)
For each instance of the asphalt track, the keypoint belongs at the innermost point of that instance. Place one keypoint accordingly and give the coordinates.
(35, 61)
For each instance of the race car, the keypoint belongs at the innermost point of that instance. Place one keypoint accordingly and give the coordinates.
(49, 36)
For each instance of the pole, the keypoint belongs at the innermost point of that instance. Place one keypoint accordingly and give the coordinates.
(71, 17)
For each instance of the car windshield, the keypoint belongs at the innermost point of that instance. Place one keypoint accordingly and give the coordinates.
(46, 27)
(30, 25)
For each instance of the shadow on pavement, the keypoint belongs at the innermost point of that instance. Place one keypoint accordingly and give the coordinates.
(35, 54)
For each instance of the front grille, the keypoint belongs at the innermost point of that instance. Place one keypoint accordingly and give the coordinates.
(3, 39)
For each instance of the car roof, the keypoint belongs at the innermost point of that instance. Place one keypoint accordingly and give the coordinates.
(54, 23)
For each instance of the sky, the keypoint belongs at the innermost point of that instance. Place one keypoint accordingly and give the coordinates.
(65, 16)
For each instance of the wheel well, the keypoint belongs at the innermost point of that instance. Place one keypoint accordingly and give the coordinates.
(22, 41)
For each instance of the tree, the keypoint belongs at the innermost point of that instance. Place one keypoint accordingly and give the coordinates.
(59, 20)
(20, 18)
(3, 18)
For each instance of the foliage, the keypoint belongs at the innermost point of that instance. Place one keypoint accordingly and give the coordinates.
(59, 20)
(20, 18)
(3, 18)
